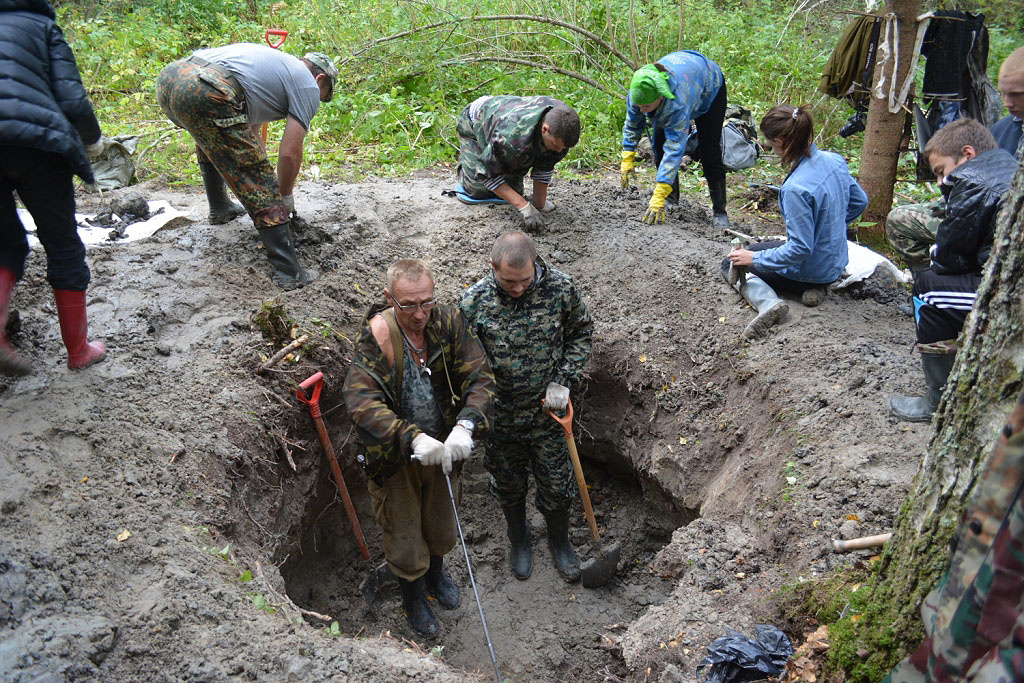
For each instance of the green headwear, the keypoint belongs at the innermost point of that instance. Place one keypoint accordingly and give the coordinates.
(647, 84)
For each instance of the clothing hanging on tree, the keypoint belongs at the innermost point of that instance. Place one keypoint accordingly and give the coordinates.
(950, 37)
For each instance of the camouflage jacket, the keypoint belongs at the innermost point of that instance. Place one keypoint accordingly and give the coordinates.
(543, 336)
(506, 131)
(461, 379)
(974, 617)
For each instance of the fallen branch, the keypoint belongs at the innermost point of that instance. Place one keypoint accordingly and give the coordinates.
(535, 65)
(284, 449)
(276, 358)
(839, 546)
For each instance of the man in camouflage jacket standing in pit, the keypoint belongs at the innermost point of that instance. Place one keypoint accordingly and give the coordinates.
(441, 386)
(501, 137)
(537, 334)
(974, 617)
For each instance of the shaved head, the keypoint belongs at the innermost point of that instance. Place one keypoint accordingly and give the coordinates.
(513, 250)
(1013, 64)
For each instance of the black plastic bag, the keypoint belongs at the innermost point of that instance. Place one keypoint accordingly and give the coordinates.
(735, 657)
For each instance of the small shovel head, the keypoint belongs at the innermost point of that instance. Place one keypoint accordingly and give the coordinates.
(375, 583)
(598, 570)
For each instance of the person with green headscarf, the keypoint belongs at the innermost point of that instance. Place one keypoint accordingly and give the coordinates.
(679, 87)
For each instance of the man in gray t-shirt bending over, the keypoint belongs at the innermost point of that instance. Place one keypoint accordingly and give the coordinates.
(222, 96)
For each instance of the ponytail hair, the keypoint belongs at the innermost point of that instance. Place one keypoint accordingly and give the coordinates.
(793, 127)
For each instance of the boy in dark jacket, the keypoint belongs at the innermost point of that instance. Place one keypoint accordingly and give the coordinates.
(974, 174)
(45, 117)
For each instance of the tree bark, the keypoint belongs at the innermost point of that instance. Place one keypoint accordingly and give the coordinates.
(881, 148)
(980, 393)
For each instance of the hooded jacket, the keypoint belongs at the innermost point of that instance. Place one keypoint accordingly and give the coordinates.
(43, 104)
(963, 239)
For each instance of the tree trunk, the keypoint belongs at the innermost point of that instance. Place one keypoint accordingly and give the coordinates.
(979, 395)
(881, 148)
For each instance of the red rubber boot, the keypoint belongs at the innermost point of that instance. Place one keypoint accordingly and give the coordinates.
(11, 364)
(74, 328)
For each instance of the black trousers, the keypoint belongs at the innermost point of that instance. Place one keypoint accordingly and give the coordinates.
(709, 139)
(43, 181)
(941, 303)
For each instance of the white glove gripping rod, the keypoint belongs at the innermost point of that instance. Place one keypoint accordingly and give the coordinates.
(490, 647)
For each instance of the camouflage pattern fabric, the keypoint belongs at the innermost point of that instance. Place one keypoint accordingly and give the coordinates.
(203, 102)
(460, 376)
(911, 229)
(540, 449)
(974, 617)
(543, 336)
(941, 348)
(499, 141)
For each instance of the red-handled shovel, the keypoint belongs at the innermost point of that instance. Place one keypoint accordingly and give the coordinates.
(313, 401)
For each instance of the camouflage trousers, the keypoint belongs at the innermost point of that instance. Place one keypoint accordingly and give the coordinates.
(510, 458)
(911, 228)
(203, 101)
(471, 162)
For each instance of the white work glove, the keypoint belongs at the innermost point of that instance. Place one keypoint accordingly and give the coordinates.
(428, 450)
(548, 207)
(459, 442)
(289, 203)
(95, 150)
(557, 397)
(531, 217)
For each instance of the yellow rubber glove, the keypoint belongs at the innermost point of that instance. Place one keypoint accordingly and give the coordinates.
(626, 167)
(656, 208)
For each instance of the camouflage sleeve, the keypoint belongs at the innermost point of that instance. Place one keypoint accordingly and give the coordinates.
(476, 381)
(578, 333)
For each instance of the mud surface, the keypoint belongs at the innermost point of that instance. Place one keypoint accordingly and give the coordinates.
(152, 528)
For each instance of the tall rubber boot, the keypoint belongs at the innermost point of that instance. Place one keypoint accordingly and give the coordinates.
(719, 218)
(520, 556)
(566, 561)
(74, 330)
(440, 584)
(417, 611)
(11, 364)
(770, 308)
(222, 209)
(921, 409)
(673, 197)
(288, 274)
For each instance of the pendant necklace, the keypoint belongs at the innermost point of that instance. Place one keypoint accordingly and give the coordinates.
(418, 353)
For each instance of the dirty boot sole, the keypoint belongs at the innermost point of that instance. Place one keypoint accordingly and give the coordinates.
(760, 325)
(911, 409)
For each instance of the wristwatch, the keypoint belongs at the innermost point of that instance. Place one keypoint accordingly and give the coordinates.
(466, 424)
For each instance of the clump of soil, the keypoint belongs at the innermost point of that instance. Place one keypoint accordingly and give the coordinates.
(153, 526)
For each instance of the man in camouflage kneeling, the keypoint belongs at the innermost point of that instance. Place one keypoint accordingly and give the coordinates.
(537, 334)
(221, 96)
(501, 137)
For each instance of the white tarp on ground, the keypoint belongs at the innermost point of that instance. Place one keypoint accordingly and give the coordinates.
(863, 263)
(95, 235)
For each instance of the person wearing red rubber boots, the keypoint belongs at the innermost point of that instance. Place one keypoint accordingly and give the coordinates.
(48, 132)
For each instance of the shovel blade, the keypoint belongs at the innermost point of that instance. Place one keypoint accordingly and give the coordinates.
(375, 583)
(598, 570)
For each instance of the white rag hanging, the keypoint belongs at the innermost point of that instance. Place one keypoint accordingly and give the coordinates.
(891, 34)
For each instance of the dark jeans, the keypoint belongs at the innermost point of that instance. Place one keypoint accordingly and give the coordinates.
(779, 283)
(709, 140)
(43, 181)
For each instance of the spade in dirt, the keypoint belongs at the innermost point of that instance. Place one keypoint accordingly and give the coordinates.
(599, 569)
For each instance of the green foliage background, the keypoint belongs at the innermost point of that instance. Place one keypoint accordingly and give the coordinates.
(396, 101)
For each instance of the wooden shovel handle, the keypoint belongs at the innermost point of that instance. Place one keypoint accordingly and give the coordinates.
(588, 510)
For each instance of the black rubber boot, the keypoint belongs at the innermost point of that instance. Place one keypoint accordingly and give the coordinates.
(288, 274)
(520, 556)
(440, 584)
(719, 218)
(566, 561)
(222, 209)
(673, 197)
(417, 611)
(921, 409)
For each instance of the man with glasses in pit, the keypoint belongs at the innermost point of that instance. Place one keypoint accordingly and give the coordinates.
(417, 418)
(537, 333)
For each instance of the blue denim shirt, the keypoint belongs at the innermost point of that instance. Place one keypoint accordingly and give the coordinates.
(818, 200)
(695, 81)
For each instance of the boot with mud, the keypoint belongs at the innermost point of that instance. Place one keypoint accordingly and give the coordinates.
(520, 556)
(280, 247)
(440, 585)
(719, 217)
(74, 330)
(813, 297)
(763, 299)
(921, 408)
(222, 209)
(566, 561)
(11, 364)
(417, 611)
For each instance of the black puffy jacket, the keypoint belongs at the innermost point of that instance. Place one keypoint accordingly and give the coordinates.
(963, 240)
(43, 104)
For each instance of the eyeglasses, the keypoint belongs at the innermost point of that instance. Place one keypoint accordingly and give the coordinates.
(425, 306)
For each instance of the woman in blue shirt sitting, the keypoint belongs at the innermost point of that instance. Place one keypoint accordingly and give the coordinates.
(818, 200)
